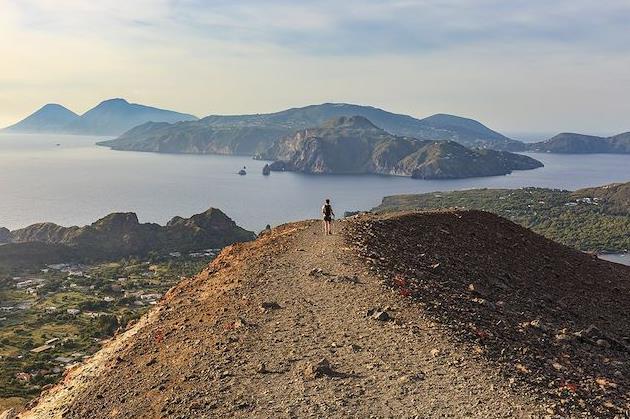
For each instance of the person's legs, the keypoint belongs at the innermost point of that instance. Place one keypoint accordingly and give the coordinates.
(330, 227)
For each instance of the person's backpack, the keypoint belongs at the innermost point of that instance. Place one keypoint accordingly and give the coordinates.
(327, 210)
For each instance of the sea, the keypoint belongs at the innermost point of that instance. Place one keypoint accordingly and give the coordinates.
(69, 180)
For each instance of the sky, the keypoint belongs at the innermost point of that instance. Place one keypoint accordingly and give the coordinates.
(515, 65)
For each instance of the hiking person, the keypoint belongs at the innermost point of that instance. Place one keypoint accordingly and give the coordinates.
(328, 214)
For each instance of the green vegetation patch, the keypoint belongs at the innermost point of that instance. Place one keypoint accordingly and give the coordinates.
(69, 316)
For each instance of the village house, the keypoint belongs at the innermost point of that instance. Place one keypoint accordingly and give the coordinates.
(94, 314)
(41, 348)
(30, 283)
(75, 273)
(155, 296)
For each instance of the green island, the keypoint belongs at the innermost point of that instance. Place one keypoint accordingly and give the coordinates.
(55, 317)
(593, 219)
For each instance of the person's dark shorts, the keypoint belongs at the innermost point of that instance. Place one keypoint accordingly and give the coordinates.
(327, 218)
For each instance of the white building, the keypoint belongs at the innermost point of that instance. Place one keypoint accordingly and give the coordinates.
(151, 296)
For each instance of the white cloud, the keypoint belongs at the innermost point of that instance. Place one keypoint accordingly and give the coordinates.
(517, 65)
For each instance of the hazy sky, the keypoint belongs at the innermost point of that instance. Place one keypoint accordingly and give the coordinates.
(516, 65)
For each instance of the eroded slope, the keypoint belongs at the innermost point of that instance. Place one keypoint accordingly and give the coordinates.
(549, 316)
(247, 337)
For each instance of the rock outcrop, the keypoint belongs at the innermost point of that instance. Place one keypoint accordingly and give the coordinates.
(121, 234)
(353, 145)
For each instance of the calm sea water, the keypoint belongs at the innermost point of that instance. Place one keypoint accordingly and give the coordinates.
(76, 182)
(623, 258)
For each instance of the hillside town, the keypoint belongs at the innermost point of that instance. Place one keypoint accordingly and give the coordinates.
(54, 318)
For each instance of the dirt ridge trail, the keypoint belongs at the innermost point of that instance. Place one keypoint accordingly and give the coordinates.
(247, 337)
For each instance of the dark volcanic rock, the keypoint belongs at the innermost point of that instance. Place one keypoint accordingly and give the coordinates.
(318, 369)
(550, 316)
(278, 166)
(121, 234)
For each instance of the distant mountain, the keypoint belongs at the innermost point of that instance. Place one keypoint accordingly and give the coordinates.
(353, 145)
(120, 235)
(49, 118)
(584, 144)
(468, 132)
(251, 134)
(197, 137)
(115, 116)
(110, 117)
